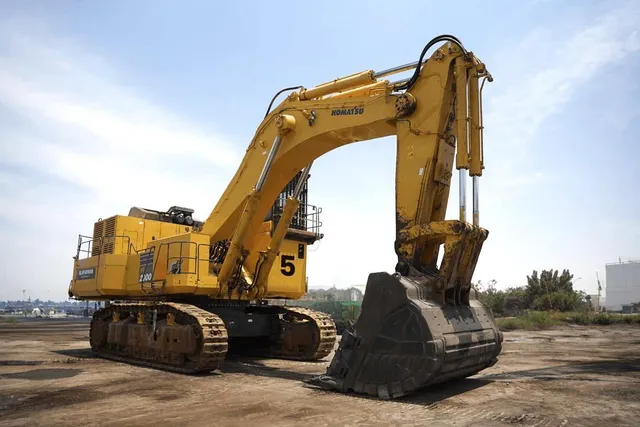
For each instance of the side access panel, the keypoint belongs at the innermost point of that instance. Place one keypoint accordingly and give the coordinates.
(99, 276)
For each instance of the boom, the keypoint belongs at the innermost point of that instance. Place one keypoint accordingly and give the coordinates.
(424, 115)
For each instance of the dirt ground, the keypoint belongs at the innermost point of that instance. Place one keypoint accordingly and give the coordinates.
(572, 376)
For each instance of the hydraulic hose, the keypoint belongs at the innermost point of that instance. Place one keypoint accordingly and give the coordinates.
(278, 94)
(416, 73)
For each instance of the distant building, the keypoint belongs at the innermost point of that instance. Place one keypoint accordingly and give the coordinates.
(631, 308)
(622, 284)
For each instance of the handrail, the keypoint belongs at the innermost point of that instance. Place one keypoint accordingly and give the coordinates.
(306, 218)
(102, 241)
(180, 257)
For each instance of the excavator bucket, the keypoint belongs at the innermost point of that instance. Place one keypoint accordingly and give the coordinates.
(403, 340)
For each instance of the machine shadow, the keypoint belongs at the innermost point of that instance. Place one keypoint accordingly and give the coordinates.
(80, 353)
(438, 392)
(236, 364)
(20, 362)
(239, 364)
(610, 366)
(429, 395)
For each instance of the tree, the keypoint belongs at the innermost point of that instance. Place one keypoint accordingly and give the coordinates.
(549, 290)
(508, 302)
(494, 298)
(515, 301)
(547, 283)
(491, 296)
(552, 291)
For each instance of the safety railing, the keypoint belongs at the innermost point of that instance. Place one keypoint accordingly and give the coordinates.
(174, 264)
(306, 218)
(313, 219)
(176, 267)
(87, 244)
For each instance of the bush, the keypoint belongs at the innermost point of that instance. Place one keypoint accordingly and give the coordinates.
(548, 291)
(560, 301)
(501, 302)
(510, 324)
(533, 320)
(495, 302)
(581, 318)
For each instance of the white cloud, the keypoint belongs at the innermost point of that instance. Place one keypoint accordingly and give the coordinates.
(96, 145)
(535, 78)
(97, 139)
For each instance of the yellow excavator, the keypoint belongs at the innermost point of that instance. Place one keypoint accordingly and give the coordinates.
(181, 294)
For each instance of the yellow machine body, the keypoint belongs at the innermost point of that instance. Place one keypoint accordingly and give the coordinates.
(184, 294)
(129, 258)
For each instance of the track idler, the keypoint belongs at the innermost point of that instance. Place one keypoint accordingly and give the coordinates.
(404, 340)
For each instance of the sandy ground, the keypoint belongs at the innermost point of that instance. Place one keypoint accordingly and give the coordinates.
(573, 376)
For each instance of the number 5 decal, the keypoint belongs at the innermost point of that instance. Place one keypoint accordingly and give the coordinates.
(287, 267)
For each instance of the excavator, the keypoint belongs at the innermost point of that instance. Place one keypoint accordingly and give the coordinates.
(181, 294)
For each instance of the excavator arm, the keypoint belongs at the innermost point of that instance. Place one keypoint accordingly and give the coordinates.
(425, 115)
(423, 324)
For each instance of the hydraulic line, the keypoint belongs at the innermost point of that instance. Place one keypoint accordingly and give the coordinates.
(277, 95)
(416, 73)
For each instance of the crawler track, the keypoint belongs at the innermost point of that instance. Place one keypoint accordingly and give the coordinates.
(196, 343)
(196, 340)
(311, 340)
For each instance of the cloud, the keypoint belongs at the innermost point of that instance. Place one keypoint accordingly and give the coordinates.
(81, 125)
(78, 141)
(536, 77)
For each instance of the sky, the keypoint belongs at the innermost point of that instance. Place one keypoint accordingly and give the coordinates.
(108, 105)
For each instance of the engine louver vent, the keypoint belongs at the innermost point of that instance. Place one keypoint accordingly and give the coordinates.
(98, 232)
(104, 237)
(109, 236)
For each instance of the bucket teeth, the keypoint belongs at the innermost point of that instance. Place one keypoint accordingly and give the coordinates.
(403, 341)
